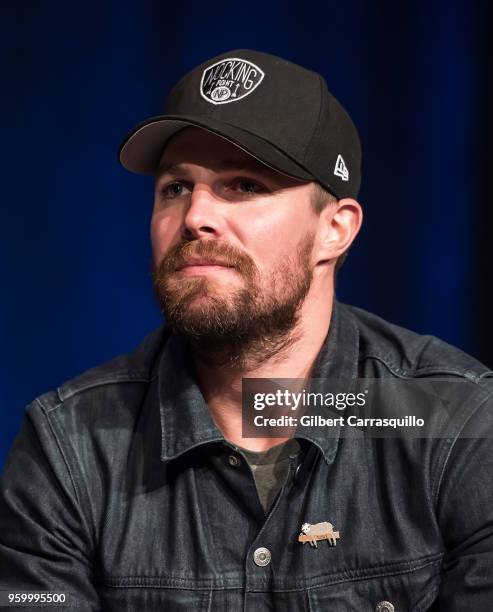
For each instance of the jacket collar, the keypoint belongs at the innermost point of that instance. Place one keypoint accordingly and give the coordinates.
(337, 360)
(185, 418)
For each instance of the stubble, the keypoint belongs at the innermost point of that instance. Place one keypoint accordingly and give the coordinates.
(238, 326)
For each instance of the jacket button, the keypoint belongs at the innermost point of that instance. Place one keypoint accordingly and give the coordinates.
(262, 556)
(384, 606)
(233, 460)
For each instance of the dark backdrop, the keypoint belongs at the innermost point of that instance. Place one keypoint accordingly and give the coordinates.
(75, 284)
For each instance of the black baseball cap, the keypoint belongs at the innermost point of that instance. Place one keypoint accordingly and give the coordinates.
(277, 111)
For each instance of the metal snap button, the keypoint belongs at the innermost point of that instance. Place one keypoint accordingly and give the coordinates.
(384, 606)
(234, 460)
(262, 556)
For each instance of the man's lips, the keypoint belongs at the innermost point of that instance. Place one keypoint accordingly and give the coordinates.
(203, 267)
(202, 263)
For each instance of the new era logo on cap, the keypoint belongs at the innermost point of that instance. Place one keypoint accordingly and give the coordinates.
(229, 80)
(341, 169)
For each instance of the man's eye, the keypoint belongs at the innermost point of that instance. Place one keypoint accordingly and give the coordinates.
(173, 190)
(247, 186)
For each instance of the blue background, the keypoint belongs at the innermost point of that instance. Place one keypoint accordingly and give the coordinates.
(76, 77)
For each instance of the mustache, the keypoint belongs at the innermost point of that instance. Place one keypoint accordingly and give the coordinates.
(181, 253)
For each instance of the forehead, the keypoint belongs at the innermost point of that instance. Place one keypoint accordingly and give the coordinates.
(199, 147)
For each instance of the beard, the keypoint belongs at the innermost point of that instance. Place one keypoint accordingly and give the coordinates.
(241, 326)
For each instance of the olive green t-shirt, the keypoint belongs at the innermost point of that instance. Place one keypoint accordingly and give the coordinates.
(270, 468)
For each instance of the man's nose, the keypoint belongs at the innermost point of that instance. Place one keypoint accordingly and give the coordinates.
(203, 217)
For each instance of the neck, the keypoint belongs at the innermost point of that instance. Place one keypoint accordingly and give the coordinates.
(293, 357)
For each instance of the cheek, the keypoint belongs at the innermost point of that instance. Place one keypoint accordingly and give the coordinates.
(271, 240)
(164, 232)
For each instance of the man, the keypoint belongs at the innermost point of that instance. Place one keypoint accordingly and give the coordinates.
(134, 486)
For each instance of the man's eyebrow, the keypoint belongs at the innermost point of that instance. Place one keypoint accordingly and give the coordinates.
(250, 165)
(168, 168)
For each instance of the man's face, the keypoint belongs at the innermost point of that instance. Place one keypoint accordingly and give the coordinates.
(232, 240)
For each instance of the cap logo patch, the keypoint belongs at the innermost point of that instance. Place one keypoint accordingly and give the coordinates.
(341, 169)
(229, 80)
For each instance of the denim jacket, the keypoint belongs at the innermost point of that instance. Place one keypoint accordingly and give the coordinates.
(121, 492)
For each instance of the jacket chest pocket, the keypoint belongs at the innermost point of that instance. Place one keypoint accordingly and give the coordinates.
(413, 591)
(132, 598)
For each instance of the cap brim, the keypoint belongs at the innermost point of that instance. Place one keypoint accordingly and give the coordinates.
(142, 149)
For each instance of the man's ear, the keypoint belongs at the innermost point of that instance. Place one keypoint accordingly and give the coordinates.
(339, 224)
